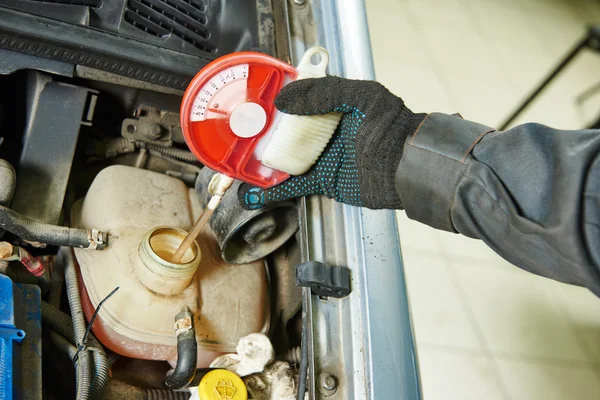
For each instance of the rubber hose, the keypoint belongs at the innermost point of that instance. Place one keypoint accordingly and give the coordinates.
(62, 326)
(63, 345)
(82, 370)
(121, 390)
(185, 369)
(58, 321)
(303, 369)
(187, 352)
(100, 365)
(100, 373)
(63, 336)
(29, 229)
(83, 376)
(174, 152)
(61, 323)
(165, 394)
(73, 295)
(71, 351)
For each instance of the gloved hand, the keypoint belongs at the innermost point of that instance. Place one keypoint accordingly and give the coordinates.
(359, 164)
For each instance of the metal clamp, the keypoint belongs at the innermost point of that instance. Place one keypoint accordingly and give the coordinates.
(98, 239)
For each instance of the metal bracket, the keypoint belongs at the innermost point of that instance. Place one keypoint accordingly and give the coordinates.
(153, 126)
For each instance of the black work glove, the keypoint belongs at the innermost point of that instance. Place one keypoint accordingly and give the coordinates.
(359, 164)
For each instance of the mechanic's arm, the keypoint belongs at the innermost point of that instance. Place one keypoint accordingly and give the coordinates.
(532, 193)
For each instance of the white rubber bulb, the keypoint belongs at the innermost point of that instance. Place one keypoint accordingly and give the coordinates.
(298, 141)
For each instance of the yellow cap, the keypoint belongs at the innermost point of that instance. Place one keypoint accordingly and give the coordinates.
(221, 384)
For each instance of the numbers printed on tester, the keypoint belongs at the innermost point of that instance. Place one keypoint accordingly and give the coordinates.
(202, 103)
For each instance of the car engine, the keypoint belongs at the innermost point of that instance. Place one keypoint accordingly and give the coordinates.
(98, 189)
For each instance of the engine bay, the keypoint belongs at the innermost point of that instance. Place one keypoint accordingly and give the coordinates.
(98, 191)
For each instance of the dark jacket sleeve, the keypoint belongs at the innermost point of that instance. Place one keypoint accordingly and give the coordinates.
(532, 193)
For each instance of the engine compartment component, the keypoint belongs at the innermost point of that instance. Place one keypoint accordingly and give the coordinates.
(190, 26)
(89, 359)
(40, 233)
(98, 149)
(218, 186)
(187, 351)
(155, 267)
(55, 113)
(221, 384)
(20, 340)
(324, 280)
(153, 126)
(123, 37)
(253, 353)
(263, 377)
(228, 301)
(34, 265)
(245, 236)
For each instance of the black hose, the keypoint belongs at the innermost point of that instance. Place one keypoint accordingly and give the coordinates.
(77, 314)
(173, 152)
(83, 372)
(99, 361)
(58, 321)
(117, 389)
(165, 394)
(29, 229)
(44, 282)
(82, 369)
(91, 365)
(62, 325)
(303, 347)
(187, 352)
(63, 345)
(71, 351)
(99, 373)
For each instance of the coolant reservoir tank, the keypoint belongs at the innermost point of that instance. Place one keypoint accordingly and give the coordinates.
(146, 214)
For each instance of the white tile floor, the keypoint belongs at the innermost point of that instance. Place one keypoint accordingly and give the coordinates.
(485, 329)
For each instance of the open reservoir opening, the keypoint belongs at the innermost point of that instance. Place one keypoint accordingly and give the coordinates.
(155, 268)
(165, 241)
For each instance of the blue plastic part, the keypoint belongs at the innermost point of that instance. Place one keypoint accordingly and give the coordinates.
(20, 352)
(31, 348)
